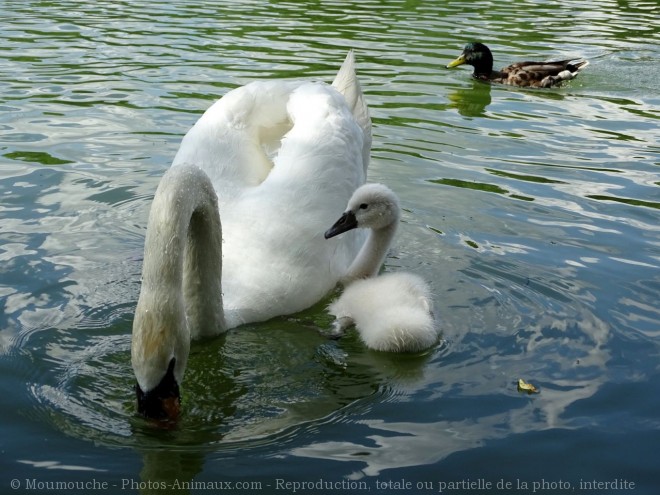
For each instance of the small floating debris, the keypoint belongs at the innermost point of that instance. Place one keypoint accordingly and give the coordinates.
(523, 386)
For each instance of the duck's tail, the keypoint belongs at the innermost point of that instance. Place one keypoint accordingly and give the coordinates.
(577, 66)
(572, 69)
(347, 83)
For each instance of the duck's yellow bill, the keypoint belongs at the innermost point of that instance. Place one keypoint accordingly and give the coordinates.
(459, 61)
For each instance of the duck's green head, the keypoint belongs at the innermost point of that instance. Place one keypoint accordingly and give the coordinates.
(477, 55)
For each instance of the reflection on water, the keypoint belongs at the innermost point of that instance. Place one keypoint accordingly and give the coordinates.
(238, 395)
(534, 215)
(235, 392)
(471, 101)
(574, 345)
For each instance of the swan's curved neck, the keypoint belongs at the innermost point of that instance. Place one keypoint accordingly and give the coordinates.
(372, 254)
(183, 247)
(181, 294)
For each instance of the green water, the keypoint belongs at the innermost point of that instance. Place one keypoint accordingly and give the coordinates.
(535, 216)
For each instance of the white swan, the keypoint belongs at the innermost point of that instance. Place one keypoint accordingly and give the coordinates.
(275, 160)
(392, 312)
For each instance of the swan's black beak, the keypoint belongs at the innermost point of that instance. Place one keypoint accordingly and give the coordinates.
(346, 222)
(162, 402)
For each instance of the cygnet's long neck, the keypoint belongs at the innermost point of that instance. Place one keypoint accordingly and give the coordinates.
(181, 295)
(372, 254)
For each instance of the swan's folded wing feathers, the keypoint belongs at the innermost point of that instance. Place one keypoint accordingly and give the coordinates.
(232, 140)
(309, 151)
(324, 144)
(317, 167)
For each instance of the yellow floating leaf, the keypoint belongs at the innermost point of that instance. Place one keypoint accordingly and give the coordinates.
(526, 387)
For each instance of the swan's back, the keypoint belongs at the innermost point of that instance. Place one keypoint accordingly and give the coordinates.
(283, 157)
(238, 138)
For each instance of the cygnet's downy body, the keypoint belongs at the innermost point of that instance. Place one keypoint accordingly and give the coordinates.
(392, 312)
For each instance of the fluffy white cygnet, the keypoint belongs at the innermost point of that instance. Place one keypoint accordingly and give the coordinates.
(392, 312)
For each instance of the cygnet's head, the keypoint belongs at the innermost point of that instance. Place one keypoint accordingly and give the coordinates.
(372, 206)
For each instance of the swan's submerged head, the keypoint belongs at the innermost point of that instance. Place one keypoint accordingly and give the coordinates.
(372, 206)
(158, 357)
(163, 402)
(159, 352)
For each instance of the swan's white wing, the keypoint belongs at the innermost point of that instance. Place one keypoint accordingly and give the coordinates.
(234, 139)
(284, 158)
(276, 260)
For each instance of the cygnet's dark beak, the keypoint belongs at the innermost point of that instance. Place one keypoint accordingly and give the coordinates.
(162, 402)
(346, 222)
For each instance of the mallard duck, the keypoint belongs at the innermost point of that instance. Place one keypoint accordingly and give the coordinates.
(532, 74)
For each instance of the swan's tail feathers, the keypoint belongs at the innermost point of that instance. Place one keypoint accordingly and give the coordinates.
(347, 83)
